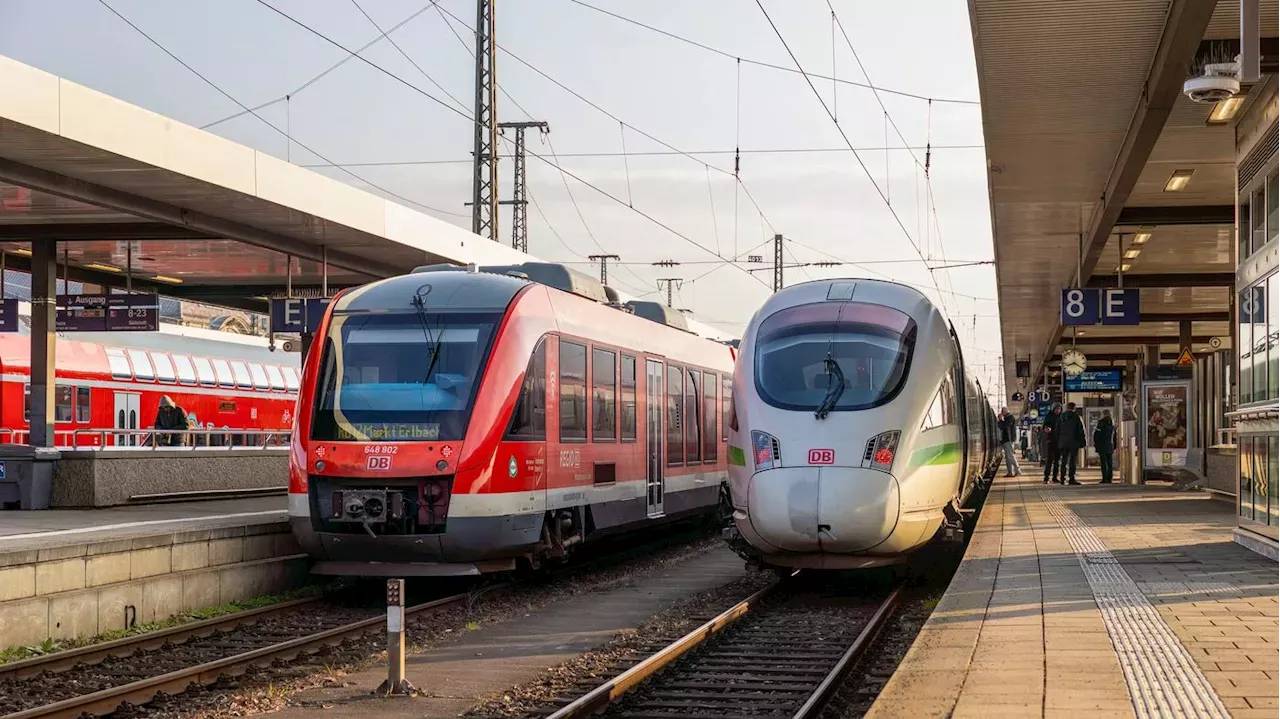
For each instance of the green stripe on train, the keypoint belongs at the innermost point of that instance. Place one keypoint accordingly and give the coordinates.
(948, 453)
(737, 457)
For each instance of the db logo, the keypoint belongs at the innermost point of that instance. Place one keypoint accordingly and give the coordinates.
(822, 456)
(378, 463)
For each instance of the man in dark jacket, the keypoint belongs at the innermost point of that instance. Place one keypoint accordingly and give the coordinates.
(1070, 435)
(169, 416)
(1008, 430)
(1104, 442)
(1049, 435)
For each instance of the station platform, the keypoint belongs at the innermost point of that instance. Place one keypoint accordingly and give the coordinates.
(1098, 600)
(77, 573)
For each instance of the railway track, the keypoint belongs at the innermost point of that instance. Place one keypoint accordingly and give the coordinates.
(782, 652)
(96, 680)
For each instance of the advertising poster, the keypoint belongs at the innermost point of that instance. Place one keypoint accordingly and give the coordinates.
(1165, 407)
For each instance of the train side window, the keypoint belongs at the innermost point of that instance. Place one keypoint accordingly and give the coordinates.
(950, 410)
(933, 418)
(164, 367)
(83, 404)
(259, 376)
(693, 423)
(529, 420)
(675, 432)
(204, 370)
(223, 372)
(120, 368)
(275, 378)
(142, 368)
(26, 403)
(710, 438)
(627, 399)
(730, 414)
(573, 392)
(604, 389)
(62, 398)
(186, 372)
(291, 379)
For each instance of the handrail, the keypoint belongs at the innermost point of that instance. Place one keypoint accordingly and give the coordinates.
(152, 439)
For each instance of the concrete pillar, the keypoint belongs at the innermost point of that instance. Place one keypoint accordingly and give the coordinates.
(44, 272)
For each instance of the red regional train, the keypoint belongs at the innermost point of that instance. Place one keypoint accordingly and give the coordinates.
(454, 422)
(114, 381)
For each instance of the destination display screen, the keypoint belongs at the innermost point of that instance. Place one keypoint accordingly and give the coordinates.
(390, 431)
(108, 313)
(1102, 380)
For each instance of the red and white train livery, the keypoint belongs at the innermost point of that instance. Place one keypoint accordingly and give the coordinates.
(457, 422)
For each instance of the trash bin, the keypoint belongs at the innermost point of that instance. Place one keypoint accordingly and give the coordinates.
(26, 475)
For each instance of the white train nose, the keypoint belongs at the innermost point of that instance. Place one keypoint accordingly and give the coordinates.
(832, 509)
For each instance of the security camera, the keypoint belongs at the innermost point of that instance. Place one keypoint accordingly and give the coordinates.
(1220, 81)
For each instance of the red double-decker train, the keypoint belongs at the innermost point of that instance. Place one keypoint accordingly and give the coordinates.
(109, 386)
(454, 422)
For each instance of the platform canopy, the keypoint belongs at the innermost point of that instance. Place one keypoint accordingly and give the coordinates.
(191, 214)
(1085, 123)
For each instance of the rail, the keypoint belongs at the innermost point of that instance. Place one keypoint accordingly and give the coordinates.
(222, 438)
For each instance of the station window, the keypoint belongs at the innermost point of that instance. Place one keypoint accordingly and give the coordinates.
(164, 367)
(604, 392)
(142, 368)
(291, 379)
(529, 420)
(120, 368)
(186, 372)
(84, 408)
(259, 376)
(627, 399)
(223, 372)
(573, 392)
(62, 399)
(204, 370)
(710, 438)
(275, 378)
(675, 430)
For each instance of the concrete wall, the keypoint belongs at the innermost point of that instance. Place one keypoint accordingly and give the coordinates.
(1221, 470)
(105, 478)
(83, 590)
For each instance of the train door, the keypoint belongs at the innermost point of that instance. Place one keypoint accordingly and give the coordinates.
(128, 406)
(655, 402)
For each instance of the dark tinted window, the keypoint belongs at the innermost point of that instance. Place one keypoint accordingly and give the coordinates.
(692, 415)
(710, 438)
(604, 392)
(62, 398)
(675, 431)
(871, 346)
(573, 392)
(627, 398)
(529, 421)
(82, 404)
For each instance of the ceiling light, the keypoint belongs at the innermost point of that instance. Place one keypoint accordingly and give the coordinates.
(1123, 268)
(166, 278)
(21, 251)
(1141, 238)
(103, 268)
(1132, 254)
(1225, 110)
(1178, 180)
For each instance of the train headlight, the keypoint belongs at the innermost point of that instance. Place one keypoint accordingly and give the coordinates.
(764, 448)
(886, 447)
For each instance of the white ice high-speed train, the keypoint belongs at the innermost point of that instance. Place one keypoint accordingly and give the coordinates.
(856, 435)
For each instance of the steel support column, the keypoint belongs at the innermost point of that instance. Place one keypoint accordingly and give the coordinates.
(44, 292)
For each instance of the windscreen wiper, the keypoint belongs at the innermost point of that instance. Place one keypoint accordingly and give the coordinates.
(420, 308)
(835, 388)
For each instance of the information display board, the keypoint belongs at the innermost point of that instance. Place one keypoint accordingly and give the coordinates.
(135, 312)
(1100, 380)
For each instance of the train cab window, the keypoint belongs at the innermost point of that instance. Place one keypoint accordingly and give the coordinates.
(275, 378)
(164, 367)
(710, 438)
(726, 403)
(870, 347)
(204, 370)
(241, 373)
(627, 399)
(604, 395)
(933, 418)
(529, 420)
(291, 379)
(693, 417)
(223, 372)
(83, 404)
(186, 372)
(62, 398)
(142, 368)
(120, 368)
(675, 429)
(259, 376)
(573, 392)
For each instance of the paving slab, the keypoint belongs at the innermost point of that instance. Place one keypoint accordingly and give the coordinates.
(1105, 600)
(510, 653)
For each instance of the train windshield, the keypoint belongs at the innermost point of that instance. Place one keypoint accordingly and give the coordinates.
(401, 377)
(869, 348)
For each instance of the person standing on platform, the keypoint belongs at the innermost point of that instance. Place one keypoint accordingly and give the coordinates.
(1070, 441)
(170, 416)
(1008, 428)
(1104, 442)
(1049, 436)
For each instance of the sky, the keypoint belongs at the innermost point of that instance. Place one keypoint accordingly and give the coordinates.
(400, 123)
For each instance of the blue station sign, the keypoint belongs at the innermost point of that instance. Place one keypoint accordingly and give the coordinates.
(1100, 380)
(8, 319)
(1082, 306)
(296, 315)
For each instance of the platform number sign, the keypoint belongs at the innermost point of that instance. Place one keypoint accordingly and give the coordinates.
(1253, 306)
(297, 315)
(1082, 306)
